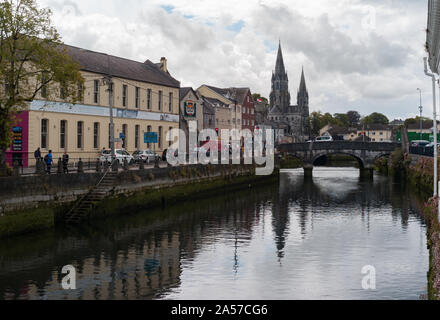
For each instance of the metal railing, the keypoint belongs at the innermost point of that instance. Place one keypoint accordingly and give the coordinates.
(109, 169)
(422, 151)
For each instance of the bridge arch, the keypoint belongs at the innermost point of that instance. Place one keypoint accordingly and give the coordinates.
(354, 155)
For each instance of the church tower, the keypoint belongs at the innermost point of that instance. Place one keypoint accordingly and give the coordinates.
(280, 96)
(303, 105)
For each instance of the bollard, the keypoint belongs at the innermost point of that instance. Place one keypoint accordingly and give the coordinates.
(125, 166)
(60, 166)
(156, 163)
(80, 166)
(15, 169)
(141, 165)
(98, 166)
(37, 166)
(115, 166)
(41, 167)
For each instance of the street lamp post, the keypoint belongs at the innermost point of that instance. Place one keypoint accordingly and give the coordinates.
(434, 100)
(421, 113)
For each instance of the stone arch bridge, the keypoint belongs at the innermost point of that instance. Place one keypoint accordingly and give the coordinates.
(365, 152)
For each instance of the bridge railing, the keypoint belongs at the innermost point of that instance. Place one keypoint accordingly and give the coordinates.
(340, 145)
(422, 151)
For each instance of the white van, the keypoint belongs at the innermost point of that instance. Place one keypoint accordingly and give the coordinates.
(324, 139)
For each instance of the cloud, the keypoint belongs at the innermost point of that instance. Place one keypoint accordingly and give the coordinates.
(357, 54)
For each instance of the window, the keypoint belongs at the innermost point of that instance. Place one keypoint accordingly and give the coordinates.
(44, 133)
(171, 102)
(96, 135)
(160, 101)
(149, 130)
(124, 95)
(244, 122)
(63, 127)
(80, 129)
(149, 99)
(136, 137)
(137, 97)
(96, 91)
(124, 139)
(80, 92)
(160, 137)
(169, 136)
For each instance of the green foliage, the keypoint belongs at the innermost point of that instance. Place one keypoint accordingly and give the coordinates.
(32, 59)
(416, 120)
(26, 221)
(290, 163)
(375, 118)
(399, 163)
(257, 96)
(354, 118)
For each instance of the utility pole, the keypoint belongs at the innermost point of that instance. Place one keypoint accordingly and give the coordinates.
(109, 82)
(421, 112)
(435, 128)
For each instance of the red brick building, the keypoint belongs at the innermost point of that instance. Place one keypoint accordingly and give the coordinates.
(248, 109)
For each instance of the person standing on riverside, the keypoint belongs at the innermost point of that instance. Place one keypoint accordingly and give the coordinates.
(48, 159)
(65, 162)
(37, 154)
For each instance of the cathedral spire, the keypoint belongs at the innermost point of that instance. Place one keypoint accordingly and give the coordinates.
(279, 68)
(302, 86)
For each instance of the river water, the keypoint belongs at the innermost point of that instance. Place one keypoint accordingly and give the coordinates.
(299, 239)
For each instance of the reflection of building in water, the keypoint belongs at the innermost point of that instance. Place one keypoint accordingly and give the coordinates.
(131, 273)
(280, 218)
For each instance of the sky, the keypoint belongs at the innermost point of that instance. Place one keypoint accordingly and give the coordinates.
(364, 55)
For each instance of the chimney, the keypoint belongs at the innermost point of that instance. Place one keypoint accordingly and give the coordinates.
(163, 62)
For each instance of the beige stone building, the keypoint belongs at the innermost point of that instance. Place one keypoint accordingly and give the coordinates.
(228, 110)
(145, 95)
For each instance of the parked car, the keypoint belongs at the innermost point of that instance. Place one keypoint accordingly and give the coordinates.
(120, 155)
(147, 156)
(164, 154)
(324, 139)
(419, 143)
(431, 145)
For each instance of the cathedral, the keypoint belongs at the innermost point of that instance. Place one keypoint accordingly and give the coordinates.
(294, 120)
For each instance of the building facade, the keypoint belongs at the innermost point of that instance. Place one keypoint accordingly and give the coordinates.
(228, 111)
(145, 99)
(293, 119)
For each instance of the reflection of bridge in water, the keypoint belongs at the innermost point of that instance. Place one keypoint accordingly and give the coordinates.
(366, 153)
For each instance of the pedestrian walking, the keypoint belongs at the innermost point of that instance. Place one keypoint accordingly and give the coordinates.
(37, 154)
(48, 159)
(65, 162)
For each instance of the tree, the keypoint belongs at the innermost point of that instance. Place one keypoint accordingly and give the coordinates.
(316, 123)
(354, 118)
(257, 96)
(375, 118)
(32, 59)
(342, 119)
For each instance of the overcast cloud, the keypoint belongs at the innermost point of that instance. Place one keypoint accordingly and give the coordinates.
(362, 55)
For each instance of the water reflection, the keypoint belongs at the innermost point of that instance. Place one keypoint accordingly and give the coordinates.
(303, 239)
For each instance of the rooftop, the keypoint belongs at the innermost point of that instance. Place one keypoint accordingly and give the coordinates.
(105, 64)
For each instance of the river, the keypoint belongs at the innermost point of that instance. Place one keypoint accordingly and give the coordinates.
(299, 239)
